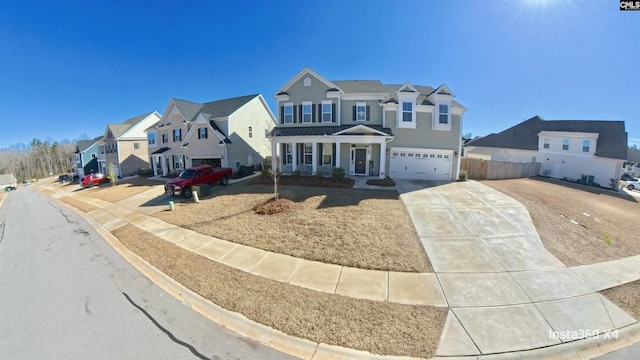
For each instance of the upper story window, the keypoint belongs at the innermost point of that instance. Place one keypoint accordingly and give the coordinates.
(101, 149)
(93, 155)
(361, 111)
(327, 111)
(152, 138)
(177, 135)
(565, 144)
(307, 112)
(443, 114)
(165, 138)
(250, 132)
(288, 113)
(203, 133)
(586, 145)
(546, 143)
(136, 146)
(407, 111)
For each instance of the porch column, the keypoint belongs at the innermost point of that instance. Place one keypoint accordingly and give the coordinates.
(274, 154)
(314, 158)
(383, 158)
(294, 156)
(337, 154)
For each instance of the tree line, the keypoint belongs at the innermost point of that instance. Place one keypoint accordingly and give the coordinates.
(37, 160)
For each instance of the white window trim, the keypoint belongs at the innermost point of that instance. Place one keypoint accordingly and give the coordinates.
(406, 98)
(411, 112)
(288, 155)
(287, 105)
(330, 147)
(546, 141)
(568, 144)
(363, 105)
(588, 146)
(250, 132)
(310, 113)
(326, 102)
(436, 117)
(305, 153)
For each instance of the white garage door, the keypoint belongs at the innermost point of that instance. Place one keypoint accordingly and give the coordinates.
(419, 163)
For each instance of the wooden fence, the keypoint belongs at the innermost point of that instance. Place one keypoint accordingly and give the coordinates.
(493, 170)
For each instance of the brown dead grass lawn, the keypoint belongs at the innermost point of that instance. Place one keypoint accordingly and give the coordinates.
(606, 221)
(626, 297)
(79, 204)
(374, 326)
(123, 190)
(367, 229)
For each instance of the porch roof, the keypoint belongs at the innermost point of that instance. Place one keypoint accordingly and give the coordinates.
(326, 130)
(160, 151)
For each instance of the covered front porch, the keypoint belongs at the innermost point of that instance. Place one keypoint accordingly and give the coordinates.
(359, 150)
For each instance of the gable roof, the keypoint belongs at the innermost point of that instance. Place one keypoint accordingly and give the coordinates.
(225, 107)
(612, 138)
(331, 130)
(119, 129)
(307, 71)
(83, 145)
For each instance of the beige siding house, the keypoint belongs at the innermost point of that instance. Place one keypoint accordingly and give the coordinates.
(125, 145)
(368, 128)
(223, 133)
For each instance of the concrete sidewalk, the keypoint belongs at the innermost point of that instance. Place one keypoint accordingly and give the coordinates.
(505, 292)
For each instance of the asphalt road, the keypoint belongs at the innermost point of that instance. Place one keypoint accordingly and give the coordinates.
(66, 294)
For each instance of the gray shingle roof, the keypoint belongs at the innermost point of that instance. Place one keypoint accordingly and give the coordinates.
(321, 130)
(612, 139)
(119, 129)
(225, 107)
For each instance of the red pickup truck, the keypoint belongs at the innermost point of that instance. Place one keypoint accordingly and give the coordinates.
(201, 174)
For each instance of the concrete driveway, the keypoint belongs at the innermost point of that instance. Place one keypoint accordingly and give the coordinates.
(505, 291)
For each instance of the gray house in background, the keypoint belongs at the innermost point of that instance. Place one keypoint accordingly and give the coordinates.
(86, 157)
(7, 180)
(368, 128)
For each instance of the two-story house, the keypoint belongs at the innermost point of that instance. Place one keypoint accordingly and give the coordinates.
(564, 148)
(228, 133)
(85, 158)
(368, 128)
(125, 145)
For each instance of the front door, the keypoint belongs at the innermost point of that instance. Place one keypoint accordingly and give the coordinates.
(360, 162)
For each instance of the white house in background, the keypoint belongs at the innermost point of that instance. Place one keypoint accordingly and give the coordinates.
(367, 128)
(228, 133)
(7, 180)
(564, 148)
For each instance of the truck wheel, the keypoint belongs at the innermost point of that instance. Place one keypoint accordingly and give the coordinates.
(186, 193)
(224, 180)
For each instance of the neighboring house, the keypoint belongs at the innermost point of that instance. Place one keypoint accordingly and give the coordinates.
(7, 180)
(564, 148)
(125, 145)
(228, 133)
(368, 128)
(85, 158)
(633, 168)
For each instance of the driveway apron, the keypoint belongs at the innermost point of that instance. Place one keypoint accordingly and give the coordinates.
(505, 291)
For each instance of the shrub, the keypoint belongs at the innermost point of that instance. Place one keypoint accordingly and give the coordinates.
(614, 184)
(319, 175)
(111, 174)
(145, 172)
(265, 171)
(463, 175)
(338, 173)
(296, 173)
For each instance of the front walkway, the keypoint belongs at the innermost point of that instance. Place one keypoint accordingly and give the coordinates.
(505, 292)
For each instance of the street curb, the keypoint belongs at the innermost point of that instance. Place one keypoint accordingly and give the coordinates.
(236, 322)
(306, 349)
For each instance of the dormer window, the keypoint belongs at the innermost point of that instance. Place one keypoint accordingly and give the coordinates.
(202, 133)
(407, 111)
(443, 114)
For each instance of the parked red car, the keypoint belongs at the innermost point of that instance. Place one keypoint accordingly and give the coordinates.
(201, 174)
(94, 179)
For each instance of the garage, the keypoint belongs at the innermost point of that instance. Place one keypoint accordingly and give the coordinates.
(215, 162)
(420, 163)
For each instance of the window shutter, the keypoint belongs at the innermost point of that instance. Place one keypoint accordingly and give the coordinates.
(281, 114)
(295, 113)
(319, 112)
(354, 113)
(206, 133)
(300, 113)
(368, 111)
(320, 145)
(313, 113)
(333, 112)
(333, 155)
(199, 134)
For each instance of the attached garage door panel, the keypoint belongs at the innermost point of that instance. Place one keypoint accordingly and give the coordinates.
(416, 163)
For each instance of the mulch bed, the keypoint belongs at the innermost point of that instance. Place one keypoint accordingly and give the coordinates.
(381, 182)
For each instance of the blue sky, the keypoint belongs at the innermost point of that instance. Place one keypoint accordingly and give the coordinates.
(67, 68)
